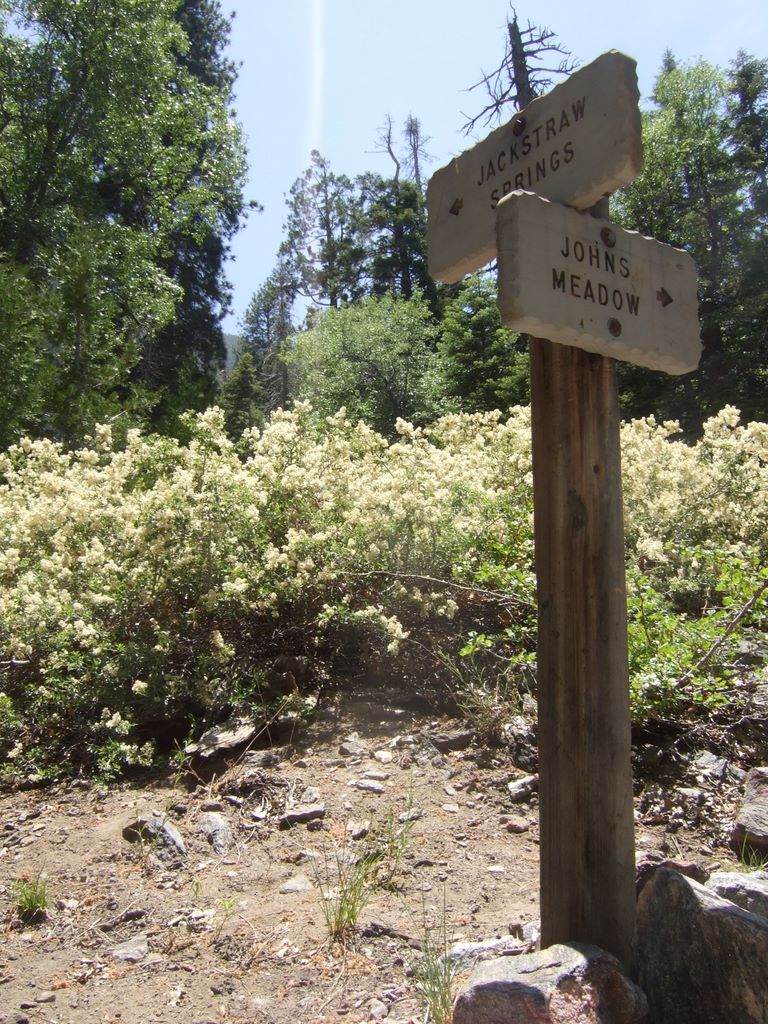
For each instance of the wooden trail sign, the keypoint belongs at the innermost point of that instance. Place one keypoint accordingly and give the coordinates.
(581, 281)
(599, 293)
(574, 145)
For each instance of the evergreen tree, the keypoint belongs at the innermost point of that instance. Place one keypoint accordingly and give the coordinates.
(700, 191)
(240, 395)
(100, 176)
(324, 247)
(484, 365)
(183, 362)
(396, 237)
(266, 329)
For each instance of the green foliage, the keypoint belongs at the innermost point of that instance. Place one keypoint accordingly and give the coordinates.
(266, 329)
(376, 359)
(750, 858)
(240, 397)
(350, 878)
(480, 360)
(30, 897)
(434, 973)
(702, 189)
(396, 242)
(683, 661)
(181, 366)
(345, 891)
(100, 150)
(488, 692)
(151, 582)
(26, 371)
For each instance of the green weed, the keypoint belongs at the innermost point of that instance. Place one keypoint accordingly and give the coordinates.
(750, 858)
(435, 973)
(31, 899)
(345, 891)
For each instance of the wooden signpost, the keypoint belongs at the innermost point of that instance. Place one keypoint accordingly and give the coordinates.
(573, 145)
(596, 293)
(585, 282)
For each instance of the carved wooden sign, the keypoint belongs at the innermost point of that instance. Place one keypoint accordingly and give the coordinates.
(575, 144)
(581, 281)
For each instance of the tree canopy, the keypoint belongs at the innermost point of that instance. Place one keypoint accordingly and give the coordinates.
(703, 189)
(117, 157)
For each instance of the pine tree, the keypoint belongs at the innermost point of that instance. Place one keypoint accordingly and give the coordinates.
(324, 246)
(266, 331)
(484, 365)
(184, 361)
(240, 395)
(700, 190)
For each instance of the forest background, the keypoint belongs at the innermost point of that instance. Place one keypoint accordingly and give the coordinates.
(158, 554)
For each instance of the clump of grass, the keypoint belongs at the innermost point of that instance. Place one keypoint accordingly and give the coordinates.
(350, 878)
(345, 891)
(31, 899)
(750, 858)
(487, 688)
(386, 846)
(435, 974)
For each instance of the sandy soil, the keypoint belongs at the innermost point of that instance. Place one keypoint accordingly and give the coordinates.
(212, 938)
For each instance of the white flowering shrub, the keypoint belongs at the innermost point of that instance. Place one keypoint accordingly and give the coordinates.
(144, 584)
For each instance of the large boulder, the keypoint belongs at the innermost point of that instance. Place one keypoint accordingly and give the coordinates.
(563, 984)
(702, 959)
(750, 830)
(748, 890)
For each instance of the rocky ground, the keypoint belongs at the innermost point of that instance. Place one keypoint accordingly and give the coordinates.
(204, 898)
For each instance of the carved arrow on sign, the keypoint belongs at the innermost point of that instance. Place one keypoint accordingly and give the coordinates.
(456, 208)
(664, 297)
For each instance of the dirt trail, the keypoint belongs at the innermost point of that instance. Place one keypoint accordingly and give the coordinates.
(137, 933)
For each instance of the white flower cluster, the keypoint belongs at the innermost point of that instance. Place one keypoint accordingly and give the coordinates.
(112, 559)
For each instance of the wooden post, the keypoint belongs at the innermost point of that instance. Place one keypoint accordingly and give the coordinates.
(585, 787)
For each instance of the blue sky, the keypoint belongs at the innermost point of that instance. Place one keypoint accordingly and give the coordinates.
(325, 74)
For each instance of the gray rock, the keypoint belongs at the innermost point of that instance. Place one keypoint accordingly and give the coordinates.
(211, 805)
(352, 745)
(520, 735)
(377, 1009)
(162, 836)
(750, 829)
(710, 765)
(747, 890)
(507, 945)
(419, 751)
(563, 984)
(522, 789)
(456, 739)
(266, 758)
(531, 932)
(359, 829)
(649, 863)
(751, 652)
(299, 883)
(702, 960)
(218, 830)
(311, 795)
(302, 815)
(132, 951)
(367, 785)
(234, 733)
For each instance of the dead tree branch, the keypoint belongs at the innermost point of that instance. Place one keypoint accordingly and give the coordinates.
(524, 72)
